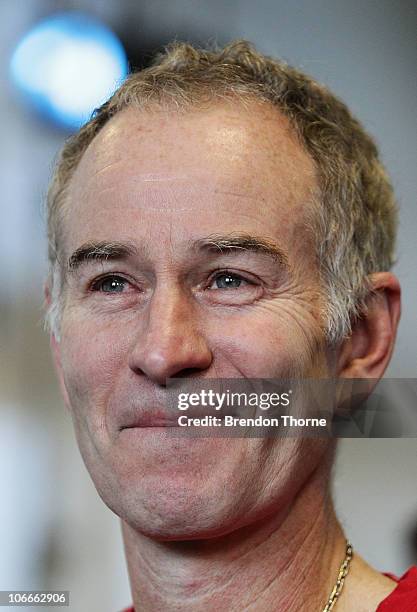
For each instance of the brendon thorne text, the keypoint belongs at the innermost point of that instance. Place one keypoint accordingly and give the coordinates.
(259, 421)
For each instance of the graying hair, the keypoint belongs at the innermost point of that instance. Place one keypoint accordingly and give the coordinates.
(354, 223)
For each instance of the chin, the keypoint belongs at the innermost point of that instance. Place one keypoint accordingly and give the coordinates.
(185, 521)
(175, 509)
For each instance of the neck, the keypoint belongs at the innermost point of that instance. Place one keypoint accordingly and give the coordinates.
(288, 561)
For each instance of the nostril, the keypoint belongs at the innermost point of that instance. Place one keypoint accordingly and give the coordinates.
(188, 373)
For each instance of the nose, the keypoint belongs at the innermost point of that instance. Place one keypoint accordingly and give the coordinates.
(170, 341)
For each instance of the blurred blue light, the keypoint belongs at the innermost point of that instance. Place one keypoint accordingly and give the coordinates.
(67, 65)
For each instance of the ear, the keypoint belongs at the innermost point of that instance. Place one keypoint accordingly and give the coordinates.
(56, 350)
(367, 351)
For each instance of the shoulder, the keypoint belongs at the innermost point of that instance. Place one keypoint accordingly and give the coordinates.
(404, 595)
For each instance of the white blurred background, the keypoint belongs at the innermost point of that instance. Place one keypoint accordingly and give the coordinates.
(54, 531)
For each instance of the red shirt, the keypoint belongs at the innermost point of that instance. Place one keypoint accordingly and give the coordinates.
(402, 599)
(404, 596)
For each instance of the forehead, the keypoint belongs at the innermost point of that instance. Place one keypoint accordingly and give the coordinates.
(224, 168)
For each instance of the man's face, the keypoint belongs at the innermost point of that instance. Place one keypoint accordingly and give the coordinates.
(168, 304)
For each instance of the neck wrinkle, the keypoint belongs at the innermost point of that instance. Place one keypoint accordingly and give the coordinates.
(288, 562)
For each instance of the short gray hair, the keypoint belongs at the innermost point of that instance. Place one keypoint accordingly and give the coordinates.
(354, 225)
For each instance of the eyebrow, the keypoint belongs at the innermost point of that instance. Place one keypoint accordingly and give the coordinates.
(212, 244)
(100, 251)
(236, 242)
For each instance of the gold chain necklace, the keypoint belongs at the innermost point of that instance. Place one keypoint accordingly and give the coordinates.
(343, 571)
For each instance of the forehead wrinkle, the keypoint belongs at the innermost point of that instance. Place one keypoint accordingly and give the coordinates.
(156, 178)
(192, 189)
(159, 194)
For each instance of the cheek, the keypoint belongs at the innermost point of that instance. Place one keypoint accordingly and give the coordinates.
(92, 356)
(271, 342)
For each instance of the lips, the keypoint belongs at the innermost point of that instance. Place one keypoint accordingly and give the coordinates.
(161, 408)
(151, 418)
(167, 417)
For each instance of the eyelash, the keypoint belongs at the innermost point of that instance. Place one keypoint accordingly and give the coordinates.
(95, 285)
(231, 273)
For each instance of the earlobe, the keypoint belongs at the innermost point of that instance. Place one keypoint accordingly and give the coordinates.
(367, 352)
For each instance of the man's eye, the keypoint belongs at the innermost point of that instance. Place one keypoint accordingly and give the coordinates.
(227, 280)
(110, 284)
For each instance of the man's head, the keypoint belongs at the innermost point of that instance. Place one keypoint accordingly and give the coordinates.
(201, 230)
(354, 218)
